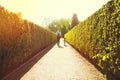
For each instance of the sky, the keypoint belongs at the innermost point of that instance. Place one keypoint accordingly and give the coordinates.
(42, 12)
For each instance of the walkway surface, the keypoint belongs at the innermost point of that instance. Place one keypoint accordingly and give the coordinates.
(63, 63)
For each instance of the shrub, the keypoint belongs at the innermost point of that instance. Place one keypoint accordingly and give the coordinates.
(19, 40)
(99, 37)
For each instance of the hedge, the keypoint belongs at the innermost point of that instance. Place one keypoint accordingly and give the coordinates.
(98, 37)
(19, 40)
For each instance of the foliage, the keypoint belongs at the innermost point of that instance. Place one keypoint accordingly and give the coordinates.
(19, 40)
(61, 24)
(99, 37)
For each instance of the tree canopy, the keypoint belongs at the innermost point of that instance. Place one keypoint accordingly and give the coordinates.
(74, 20)
(62, 24)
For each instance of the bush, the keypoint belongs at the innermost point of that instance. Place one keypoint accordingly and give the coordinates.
(19, 40)
(99, 37)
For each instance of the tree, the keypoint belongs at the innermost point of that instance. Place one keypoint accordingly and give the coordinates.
(74, 20)
(62, 24)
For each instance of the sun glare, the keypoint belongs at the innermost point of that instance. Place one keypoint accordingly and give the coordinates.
(37, 10)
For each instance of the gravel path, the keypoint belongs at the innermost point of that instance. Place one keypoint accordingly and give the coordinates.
(63, 63)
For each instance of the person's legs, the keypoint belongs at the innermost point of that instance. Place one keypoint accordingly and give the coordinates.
(58, 42)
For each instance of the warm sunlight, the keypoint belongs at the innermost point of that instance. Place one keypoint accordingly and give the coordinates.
(43, 11)
(60, 39)
(62, 64)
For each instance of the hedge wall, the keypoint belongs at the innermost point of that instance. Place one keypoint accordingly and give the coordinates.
(98, 37)
(19, 40)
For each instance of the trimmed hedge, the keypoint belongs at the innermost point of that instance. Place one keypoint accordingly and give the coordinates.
(98, 37)
(20, 40)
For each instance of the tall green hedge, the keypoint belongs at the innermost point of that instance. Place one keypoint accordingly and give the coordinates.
(99, 37)
(19, 40)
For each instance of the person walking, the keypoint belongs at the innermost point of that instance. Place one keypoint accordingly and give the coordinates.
(58, 33)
